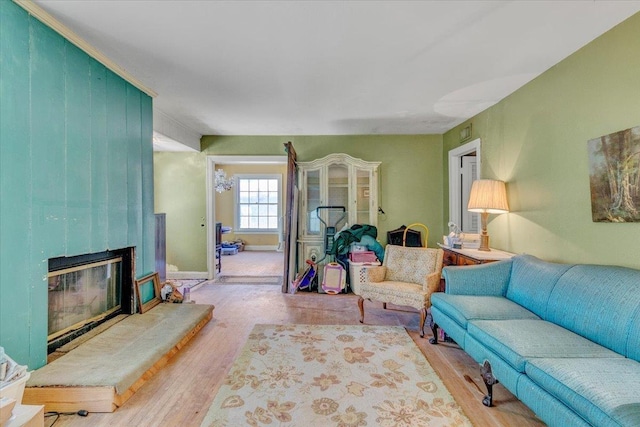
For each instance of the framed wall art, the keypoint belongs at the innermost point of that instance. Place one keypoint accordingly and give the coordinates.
(148, 292)
(614, 176)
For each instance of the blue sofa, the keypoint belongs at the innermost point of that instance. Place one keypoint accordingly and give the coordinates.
(564, 339)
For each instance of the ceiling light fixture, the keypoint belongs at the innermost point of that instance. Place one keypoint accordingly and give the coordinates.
(222, 183)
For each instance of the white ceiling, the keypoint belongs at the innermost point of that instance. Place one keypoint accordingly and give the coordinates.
(334, 67)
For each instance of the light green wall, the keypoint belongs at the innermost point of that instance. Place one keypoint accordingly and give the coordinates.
(536, 140)
(180, 192)
(75, 166)
(410, 174)
(410, 180)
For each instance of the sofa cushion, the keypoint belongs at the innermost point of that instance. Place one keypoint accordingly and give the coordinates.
(519, 340)
(600, 303)
(603, 391)
(399, 293)
(463, 308)
(532, 281)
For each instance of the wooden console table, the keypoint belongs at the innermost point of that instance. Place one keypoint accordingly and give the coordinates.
(472, 256)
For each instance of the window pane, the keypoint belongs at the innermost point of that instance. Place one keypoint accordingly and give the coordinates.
(258, 203)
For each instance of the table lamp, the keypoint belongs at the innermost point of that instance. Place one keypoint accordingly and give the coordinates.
(487, 196)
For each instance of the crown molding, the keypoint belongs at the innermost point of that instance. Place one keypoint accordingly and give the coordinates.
(44, 17)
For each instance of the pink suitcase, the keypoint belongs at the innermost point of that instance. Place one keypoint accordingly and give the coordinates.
(334, 278)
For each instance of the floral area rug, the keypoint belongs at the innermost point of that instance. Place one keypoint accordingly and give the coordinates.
(343, 376)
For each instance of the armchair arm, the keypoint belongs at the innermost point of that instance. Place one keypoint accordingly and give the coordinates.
(484, 279)
(432, 283)
(376, 274)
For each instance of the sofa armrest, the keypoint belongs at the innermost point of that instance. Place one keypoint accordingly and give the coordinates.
(376, 274)
(484, 279)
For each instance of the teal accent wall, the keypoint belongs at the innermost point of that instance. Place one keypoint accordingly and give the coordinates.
(76, 163)
(536, 140)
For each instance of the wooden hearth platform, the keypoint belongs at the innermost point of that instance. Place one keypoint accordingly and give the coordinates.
(105, 371)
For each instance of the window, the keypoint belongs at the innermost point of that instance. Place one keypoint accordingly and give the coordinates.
(257, 203)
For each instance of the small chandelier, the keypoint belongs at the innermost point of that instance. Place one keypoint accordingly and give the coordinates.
(222, 183)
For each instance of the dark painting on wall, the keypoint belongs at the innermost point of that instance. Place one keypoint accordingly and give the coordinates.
(614, 175)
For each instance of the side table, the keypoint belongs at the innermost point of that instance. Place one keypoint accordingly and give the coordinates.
(454, 256)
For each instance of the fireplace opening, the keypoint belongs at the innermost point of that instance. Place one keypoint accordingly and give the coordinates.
(86, 290)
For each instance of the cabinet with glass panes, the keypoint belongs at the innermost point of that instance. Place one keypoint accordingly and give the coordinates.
(337, 180)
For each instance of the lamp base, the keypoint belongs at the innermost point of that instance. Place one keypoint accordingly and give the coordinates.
(484, 243)
(484, 237)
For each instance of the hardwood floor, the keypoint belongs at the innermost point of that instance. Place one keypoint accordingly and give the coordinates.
(253, 263)
(181, 393)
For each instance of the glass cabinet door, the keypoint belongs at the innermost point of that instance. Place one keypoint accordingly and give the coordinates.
(363, 196)
(337, 194)
(314, 200)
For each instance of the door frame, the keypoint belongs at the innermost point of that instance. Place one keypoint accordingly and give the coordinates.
(455, 168)
(212, 161)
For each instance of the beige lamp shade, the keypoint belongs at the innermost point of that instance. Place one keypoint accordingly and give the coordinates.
(488, 195)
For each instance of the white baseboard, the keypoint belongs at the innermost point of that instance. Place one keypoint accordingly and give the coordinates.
(261, 248)
(182, 275)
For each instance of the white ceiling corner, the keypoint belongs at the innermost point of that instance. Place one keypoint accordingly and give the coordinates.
(332, 67)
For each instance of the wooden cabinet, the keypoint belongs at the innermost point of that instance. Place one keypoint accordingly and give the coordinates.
(472, 256)
(335, 180)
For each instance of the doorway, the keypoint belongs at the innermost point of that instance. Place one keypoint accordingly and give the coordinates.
(251, 263)
(464, 168)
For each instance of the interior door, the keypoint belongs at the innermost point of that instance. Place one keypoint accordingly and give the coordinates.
(468, 174)
(290, 216)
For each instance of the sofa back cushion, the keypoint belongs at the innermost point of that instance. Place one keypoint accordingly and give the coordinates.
(600, 303)
(532, 281)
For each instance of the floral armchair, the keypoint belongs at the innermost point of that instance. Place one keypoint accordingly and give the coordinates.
(407, 277)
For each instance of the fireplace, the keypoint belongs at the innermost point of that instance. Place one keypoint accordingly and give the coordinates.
(87, 290)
